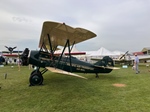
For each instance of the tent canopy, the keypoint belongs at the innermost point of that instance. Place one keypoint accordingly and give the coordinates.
(74, 51)
(102, 52)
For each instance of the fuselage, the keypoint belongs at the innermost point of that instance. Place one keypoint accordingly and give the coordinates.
(43, 59)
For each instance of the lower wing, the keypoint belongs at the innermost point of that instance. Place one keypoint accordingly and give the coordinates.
(55, 70)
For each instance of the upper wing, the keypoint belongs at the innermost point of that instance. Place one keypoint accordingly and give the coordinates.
(60, 32)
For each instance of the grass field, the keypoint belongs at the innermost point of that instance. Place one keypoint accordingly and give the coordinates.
(70, 94)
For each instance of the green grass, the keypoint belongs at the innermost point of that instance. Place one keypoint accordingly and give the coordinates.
(70, 94)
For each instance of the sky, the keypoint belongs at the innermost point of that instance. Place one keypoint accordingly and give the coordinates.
(119, 24)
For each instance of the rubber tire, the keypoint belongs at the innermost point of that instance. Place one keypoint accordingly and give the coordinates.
(36, 79)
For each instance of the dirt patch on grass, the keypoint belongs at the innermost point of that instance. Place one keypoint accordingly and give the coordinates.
(119, 85)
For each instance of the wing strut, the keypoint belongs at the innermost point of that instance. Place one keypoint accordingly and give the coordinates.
(52, 53)
(43, 46)
(69, 56)
(66, 45)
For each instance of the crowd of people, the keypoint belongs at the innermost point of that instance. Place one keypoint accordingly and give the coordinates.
(11, 61)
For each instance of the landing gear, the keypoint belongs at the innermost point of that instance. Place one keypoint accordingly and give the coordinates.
(97, 75)
(36, 78)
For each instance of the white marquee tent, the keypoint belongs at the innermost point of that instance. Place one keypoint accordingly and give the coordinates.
(102, 52)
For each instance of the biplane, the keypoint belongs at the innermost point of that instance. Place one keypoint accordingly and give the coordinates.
(56, 34)
(124, 59)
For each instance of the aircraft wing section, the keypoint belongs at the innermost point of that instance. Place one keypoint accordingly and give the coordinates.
(60, 32)
(63, 72)
(144, 58)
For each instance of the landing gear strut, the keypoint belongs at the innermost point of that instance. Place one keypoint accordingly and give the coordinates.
(97, 75)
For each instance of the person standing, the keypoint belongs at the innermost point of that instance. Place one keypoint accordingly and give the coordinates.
(136, 64)
(18, 63)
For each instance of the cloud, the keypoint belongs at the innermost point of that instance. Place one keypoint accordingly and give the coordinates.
(21, 19)
(119, 24)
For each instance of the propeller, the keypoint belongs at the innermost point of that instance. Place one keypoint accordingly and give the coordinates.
(10, 49)
(24, 57)
(123, 55)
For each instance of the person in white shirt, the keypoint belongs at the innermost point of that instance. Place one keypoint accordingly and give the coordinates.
(136, 64)
(19, 63)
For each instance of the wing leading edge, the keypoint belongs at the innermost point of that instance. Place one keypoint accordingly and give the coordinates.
(60, 32)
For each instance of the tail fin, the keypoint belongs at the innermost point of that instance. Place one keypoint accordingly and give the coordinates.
(106, 61)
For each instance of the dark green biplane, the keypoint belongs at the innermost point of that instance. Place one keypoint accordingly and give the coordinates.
(56, 34)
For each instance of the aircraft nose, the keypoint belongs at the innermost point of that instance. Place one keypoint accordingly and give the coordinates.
(24, 57)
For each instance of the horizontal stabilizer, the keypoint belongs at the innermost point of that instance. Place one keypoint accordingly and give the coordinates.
(63, 72)
(113, 68)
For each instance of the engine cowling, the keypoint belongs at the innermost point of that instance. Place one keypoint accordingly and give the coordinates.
(24, 57)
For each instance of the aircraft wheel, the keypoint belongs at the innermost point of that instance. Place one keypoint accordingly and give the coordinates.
(36, 79)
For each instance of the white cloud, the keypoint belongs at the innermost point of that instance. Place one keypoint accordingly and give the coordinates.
(119, 24)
